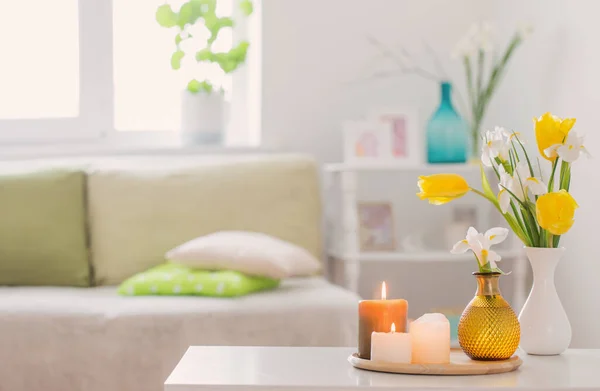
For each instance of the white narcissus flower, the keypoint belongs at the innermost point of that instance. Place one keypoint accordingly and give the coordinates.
(495, 146)
(480, 37)
(570, 150)
(518, 184)
(480, 244)
(524, 30)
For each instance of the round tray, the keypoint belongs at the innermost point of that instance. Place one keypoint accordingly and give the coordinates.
(459, 364)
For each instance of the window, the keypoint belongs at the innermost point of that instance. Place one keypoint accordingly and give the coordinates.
(98, 70)
(40, 72)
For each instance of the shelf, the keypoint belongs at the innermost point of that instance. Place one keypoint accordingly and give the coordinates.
(421, 168)
(429, 256)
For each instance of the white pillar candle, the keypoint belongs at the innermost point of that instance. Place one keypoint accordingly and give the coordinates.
(391, 347)
(430, 337)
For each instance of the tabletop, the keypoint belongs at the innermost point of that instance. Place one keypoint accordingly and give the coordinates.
(237, 368)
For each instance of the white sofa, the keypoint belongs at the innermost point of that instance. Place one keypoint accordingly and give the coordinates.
(65, 338)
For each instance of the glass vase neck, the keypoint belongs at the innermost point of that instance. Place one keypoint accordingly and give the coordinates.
(446, 94)
(488, 284)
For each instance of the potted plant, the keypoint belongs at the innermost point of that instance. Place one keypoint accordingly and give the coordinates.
(197, 22)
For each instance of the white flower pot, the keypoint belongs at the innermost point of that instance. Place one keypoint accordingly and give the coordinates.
(545, 327)
(202, 118)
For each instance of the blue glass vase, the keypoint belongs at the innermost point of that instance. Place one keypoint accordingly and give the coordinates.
(447, 132)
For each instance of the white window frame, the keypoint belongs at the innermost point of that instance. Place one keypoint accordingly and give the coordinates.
(94, 124)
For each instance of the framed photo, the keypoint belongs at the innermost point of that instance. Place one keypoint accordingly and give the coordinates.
(376, 226)
(365, 142)
(405, 140)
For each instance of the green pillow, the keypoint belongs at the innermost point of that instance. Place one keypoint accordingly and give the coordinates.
(42, 229)
(176, 280)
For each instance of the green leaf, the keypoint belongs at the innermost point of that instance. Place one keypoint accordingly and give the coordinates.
(176, 59)
(165, 16)
(516, 228)
(247, 7)
(190, 12)
(239, 52)
(205, 55)
(178, 39)
(195, 86)
(531, 226)
(565, 176)
(524, 153)
(487, 189)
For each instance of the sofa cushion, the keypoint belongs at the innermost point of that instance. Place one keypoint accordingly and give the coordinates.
(136, 216)
(177, 280)
(42, 229)
(251, 253)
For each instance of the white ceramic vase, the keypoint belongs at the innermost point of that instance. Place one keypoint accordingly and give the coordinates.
(202, 118)
(545, 327)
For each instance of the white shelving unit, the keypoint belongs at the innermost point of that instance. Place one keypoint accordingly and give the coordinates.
(425, 256)
(424, 168)
(346, 247)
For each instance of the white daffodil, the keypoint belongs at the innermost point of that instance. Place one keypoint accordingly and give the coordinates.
(495, 146)
(570, 150)
(518, 184)
(480, 37)
(480, 244)
(512, 136)
(524, 30)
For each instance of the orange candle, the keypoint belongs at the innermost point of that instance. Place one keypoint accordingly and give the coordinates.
(378, 316)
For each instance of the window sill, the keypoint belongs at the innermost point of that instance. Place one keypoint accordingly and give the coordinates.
(75, 150)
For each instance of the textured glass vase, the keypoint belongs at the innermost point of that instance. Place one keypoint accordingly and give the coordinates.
(488, 328)
(447, 132)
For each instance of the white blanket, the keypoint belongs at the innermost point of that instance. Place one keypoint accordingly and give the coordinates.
(91, 339)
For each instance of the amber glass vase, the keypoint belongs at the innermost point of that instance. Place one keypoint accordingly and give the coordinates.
(488, 328)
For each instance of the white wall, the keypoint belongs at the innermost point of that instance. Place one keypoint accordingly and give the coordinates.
(312, 48)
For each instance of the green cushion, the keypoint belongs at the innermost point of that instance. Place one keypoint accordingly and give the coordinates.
(42, 229)
(176, 280)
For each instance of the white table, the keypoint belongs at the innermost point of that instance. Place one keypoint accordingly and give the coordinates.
(233, 368)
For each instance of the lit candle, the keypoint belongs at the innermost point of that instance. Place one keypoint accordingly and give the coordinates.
(430, 338)
(378, 316)
(391, 347)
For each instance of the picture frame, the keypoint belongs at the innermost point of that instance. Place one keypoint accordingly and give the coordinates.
(405, 142)
(376, 226)
(366, 142)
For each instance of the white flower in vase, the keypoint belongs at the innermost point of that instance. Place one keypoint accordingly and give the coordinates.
(496, 145)
(518, 184)
(524, 30)
(570, 150)
(480, 244)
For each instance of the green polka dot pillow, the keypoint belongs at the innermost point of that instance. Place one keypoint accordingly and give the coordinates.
(176, 280)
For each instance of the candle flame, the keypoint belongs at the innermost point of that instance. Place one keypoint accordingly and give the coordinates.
(383, 291)
(393, 327)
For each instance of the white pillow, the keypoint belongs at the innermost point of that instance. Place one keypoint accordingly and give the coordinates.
(251, 253)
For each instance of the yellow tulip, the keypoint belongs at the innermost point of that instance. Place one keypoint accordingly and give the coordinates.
(551, 130)
(439, 189)
(555, 212)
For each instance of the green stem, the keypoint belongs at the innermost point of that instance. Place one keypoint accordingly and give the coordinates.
(531, 226)
(550, 240)
(551, 180)
(512, 222)
(480, 64)
(524, 153)
(565, 176)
